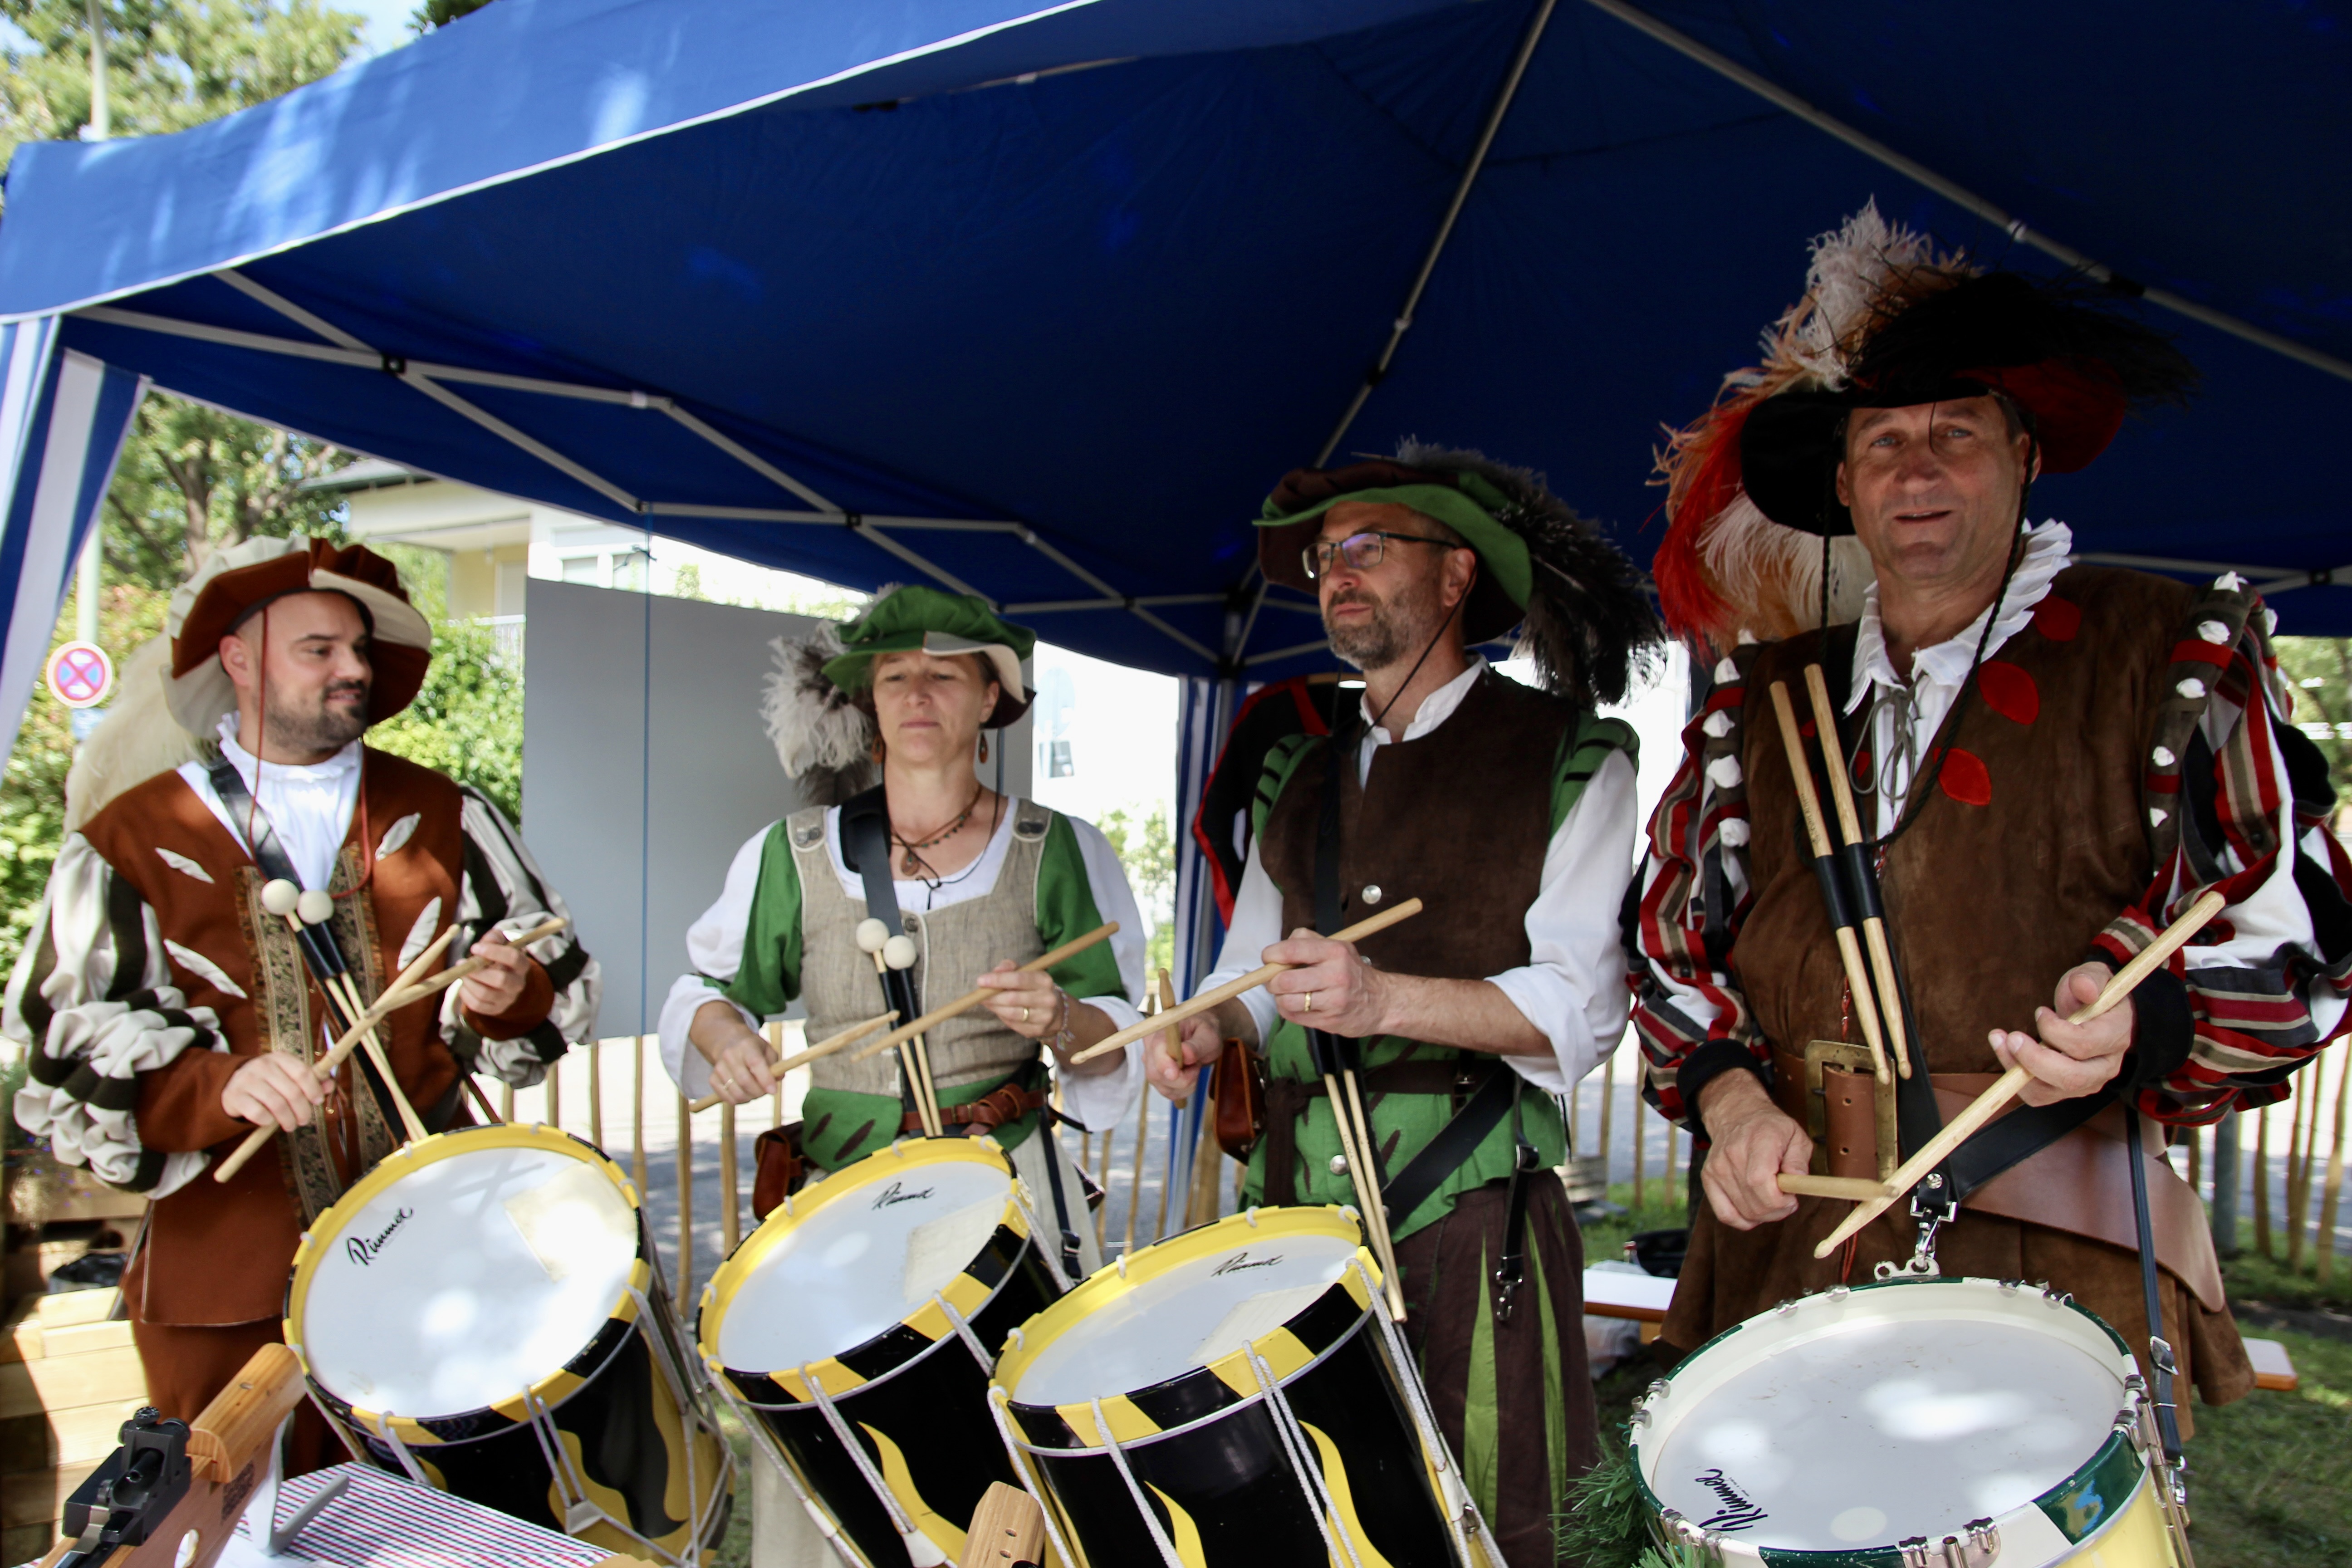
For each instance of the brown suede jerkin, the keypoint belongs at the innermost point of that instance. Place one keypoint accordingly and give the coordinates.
(1989, 901)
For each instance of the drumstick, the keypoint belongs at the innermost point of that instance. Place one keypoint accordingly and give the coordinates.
(916, 1080)
(979, 994)
(1356, 1142)
(1874, 924)
(1857, 979)
(1856, 1189)
(349, 995)
(1233, 988)
(400, 997)
(287, 900)
(1982, 1109)
(325, 1067)
(824, 1048)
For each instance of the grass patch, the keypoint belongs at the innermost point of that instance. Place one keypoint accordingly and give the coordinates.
(2250, 1276)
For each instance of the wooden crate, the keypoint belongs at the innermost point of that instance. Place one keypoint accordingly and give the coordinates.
(69, 1378)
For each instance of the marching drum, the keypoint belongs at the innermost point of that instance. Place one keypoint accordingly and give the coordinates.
(1905, 1425)
(1231, 1397)
(857, 1327)
(481, 1313)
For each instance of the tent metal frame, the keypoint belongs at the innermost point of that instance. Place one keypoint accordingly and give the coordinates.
(434, 381)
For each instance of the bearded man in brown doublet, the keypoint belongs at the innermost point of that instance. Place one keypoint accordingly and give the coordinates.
(2053, 761)
(167, 1012)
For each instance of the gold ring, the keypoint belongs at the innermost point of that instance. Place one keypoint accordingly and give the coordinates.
(1024, 1014)
(1310, 1003)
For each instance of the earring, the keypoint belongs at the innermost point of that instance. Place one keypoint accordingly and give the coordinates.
(983, 748)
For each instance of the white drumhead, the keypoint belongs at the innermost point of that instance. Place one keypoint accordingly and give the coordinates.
(467, 1280)
(837, 1275)
(1205, 1308)
(1888, 1414)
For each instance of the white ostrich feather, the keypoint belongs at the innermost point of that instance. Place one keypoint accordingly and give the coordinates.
(812, 721)
(1775, 572)
(1848, 274)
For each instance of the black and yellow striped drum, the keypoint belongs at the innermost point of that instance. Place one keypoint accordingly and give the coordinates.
(856, 1329)
(1236, 1397)
(481, 1313)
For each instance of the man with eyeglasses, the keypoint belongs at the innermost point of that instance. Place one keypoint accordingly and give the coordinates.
(1509, 811)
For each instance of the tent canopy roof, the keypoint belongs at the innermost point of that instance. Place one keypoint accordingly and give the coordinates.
(1087, 280)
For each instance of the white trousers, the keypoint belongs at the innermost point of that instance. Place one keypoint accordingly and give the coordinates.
(783, 1534)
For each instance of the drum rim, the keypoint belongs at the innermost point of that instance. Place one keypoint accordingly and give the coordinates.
(1869, 1555)
(1285, 1354)
(838, 1380)
(550, 1391)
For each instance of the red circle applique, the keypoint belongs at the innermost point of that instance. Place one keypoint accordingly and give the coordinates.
(2008, 690)
(1964, 778)
(2058, 619)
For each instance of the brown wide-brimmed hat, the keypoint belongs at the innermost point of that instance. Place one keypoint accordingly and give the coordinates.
(234, 583)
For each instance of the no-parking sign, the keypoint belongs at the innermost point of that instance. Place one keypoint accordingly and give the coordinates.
(80, 675)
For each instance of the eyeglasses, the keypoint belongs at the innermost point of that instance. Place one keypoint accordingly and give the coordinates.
(1360, 550)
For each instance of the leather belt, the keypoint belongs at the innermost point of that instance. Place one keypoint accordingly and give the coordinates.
(2078, 1183)
(987, 1113)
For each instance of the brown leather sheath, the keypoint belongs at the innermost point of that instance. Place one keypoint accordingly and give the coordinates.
(2079, 1184)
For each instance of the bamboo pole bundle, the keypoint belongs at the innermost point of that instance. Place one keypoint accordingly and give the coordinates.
(506, 1102)
(596, 1092)
(553, 1085)
(729, 1193)
(1204, 1204)
(637, 1114)
(2263, 1182)
(1637, 1160)
(1608, 1103)
(685, 1201)
(2196, 1157)
(1166, 1180)
(2300, 1123)
(2333, 1195)
(1666, 1175)
(1102, 1214)
(1135, 1182)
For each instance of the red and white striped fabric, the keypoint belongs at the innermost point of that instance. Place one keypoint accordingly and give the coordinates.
(383, 1521)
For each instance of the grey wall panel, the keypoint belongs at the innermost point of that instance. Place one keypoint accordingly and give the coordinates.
(646, 767)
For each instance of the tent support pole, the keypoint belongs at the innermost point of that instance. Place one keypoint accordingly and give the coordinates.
(1961, 196)
(1403, 322)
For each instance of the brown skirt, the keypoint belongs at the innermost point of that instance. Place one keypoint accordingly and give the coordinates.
(1732, 1275)
(1514, 1398)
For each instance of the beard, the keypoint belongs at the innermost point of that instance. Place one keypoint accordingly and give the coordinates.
(308, 722)
(1395, 630)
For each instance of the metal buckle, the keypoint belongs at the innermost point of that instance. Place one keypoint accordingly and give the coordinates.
(1854, 1056)
(1931, 1218)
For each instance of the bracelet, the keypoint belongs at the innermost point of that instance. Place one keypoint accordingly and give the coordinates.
(1059, 1041)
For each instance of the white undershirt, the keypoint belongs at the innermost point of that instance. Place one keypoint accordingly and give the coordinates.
(1572, 987)
(1937, 671)
(309, 805)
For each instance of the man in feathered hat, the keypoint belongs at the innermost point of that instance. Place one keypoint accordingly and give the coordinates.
(1507, 810)
(2052, 761)
(167, 1011)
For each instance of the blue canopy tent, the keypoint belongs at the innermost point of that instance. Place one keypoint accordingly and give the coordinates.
(1039, 303)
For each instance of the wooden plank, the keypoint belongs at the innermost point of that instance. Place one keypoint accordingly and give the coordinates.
(1641, 1296)
(2273, 1368)
(90, 1434)
(40, 1497)
(67, 1383)
(87, 1339)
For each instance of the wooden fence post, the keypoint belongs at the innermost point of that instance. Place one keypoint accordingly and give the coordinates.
(685, 1204)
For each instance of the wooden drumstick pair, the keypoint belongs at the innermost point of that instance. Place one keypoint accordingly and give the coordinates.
(404, 989)
(895, 950)
(301, 909)
(825, 1047)
(1874, 990)
(2005, 1088)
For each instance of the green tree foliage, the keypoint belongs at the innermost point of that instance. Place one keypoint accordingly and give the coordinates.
(466, 722)
(1148, 850)
(171, 64)
(435, 14)
(193, 479)
(2320, 671)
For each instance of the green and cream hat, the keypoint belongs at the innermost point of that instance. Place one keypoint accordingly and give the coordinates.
(919, 619)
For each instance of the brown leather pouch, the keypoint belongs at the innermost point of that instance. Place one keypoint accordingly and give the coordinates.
(1237, 1097)
(779, 1168)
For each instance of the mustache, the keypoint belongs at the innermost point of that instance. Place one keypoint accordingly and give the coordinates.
(1353, 597)
(335, 689)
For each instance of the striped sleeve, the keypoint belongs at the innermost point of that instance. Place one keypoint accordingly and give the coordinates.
(92, 1002)
(2240, 802)
(1683, 912)
(503, 890)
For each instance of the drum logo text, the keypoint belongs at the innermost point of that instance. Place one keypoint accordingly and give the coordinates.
(362, 1250)
(1240, 1260)
(895, 1193)
(1738, 1513)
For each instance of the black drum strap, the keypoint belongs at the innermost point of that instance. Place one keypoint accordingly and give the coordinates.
(1511, 1270)
(2159, 1350)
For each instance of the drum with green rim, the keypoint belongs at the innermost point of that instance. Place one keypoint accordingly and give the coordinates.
(857, 1327)
(481, 1313)
(1236, 1397)
(1909, 1424)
